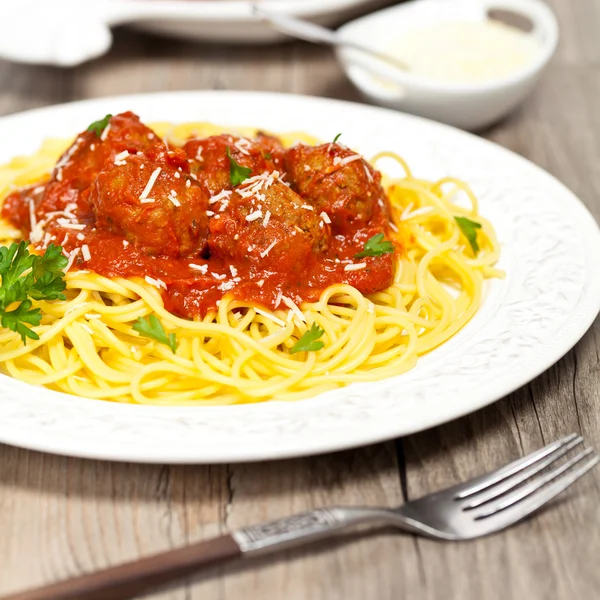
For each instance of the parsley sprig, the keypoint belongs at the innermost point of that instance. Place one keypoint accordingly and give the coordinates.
(469, 230)
(336, 138)
(27, 277)
(152, 328)
(237, 173)
(376, 246)
(308, 342)
(98, 126)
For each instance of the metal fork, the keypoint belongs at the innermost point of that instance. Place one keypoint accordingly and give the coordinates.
(469, 510)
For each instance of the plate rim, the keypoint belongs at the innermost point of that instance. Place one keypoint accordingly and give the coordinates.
(144, 454)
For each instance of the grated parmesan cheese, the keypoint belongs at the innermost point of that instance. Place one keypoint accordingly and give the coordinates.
(268, 249)
(105, 133)
(120, 158)
(292, 306)
(72, 257)
(201, 268)
(341, 162)
(355, 267)
(243, 145)
(220, 196)
(415, 213)
(150, 184)
(257, 214)
(68, 225)
(157, 283)
(85, 252)
(325, 217)
(226, 286)
(270, 316)
(32, 218)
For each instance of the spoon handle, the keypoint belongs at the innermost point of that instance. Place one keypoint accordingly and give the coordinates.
(310, 32)
(297, 28)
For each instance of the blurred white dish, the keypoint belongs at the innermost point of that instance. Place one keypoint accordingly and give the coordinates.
(69, 32)
(471, 105)
(233, 21)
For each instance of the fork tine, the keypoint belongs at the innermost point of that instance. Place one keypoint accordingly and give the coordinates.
(512, 482)
(515, 499)
(485, 481)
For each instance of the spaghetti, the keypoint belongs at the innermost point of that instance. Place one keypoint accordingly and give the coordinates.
(240, 350)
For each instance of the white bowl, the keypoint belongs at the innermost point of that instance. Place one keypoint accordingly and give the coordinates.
(467, 105)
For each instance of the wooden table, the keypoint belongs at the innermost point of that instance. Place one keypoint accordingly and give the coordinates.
(60, 516)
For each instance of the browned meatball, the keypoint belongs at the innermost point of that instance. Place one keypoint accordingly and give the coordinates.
(91, 152)
(271, 228)
(336, 180)
(272, 149)
(159, 209)
(210, 163)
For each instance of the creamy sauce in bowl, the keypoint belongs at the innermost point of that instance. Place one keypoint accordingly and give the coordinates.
(465, 51)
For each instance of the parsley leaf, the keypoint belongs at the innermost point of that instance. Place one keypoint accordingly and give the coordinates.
(336, 138)
(98, 126)
(376, 246)
(152, 328)
(15, 319)
(237, 173)
(47, 271)
(469, 229)
(267, 156)
(25, 277)
(308, 342)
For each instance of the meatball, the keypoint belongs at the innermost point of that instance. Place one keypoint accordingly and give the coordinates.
(91, 152)
(336, 180)
(16, 207)
(272, 149)
(211, 165)
(272, 228)
(158, 208)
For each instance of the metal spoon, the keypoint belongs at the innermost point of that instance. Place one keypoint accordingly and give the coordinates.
(310, 32)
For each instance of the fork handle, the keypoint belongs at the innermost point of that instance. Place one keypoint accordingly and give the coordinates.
(137, 577)
(134, 578)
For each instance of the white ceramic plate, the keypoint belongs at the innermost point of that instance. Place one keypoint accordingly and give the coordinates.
(550, 246)
(232, 21)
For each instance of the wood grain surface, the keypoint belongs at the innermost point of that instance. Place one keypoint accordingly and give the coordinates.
(60, 517)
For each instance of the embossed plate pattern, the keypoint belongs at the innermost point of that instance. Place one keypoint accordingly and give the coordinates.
(550, 244)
